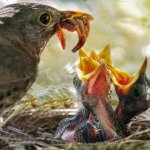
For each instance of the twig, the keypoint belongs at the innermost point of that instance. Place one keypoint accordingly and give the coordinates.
(137, 134)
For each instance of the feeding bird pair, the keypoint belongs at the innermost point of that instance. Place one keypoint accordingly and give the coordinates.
(96, 120)
(25, 29)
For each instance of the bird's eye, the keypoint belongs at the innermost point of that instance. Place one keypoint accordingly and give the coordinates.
(76, 82)
(45, 18)
(136, 92)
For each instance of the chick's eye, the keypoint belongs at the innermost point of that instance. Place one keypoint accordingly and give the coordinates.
(136, 93)
(45, 18)
(76, 82)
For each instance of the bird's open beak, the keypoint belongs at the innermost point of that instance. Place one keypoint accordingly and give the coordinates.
(88, 63)
(93, 71)
(123, 81)
(98, 85)
(97, 92)
(74, 21)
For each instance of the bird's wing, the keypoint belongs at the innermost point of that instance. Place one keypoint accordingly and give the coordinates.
(15, 63)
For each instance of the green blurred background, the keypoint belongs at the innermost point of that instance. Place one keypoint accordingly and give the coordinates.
(124, 24)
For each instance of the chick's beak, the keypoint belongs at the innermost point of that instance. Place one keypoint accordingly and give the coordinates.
(90, 62)
(123, 81)
(74, 21)
(105, 54)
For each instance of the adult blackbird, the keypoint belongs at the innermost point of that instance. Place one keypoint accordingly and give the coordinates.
(25, 29)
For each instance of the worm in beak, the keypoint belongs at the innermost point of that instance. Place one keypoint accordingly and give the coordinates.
(74, 21)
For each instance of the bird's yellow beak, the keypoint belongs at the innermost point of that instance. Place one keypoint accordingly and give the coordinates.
(88, 63)
(123, 81)
(74, 21)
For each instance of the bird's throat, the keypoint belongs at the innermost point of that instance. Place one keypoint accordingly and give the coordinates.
(104, 113)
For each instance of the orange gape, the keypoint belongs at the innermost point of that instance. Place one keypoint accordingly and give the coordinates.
(124, 83)
(88, 63)
(97, 121)
(98, 84)
(98, 92)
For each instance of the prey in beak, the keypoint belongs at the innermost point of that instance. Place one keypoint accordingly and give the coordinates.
(74, 21)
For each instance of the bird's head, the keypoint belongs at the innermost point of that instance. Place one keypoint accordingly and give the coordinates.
(35, 24)
(95, 88)
(93, 80)
(133, 92)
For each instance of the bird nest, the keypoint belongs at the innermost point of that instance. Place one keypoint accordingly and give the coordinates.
(34, 129)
